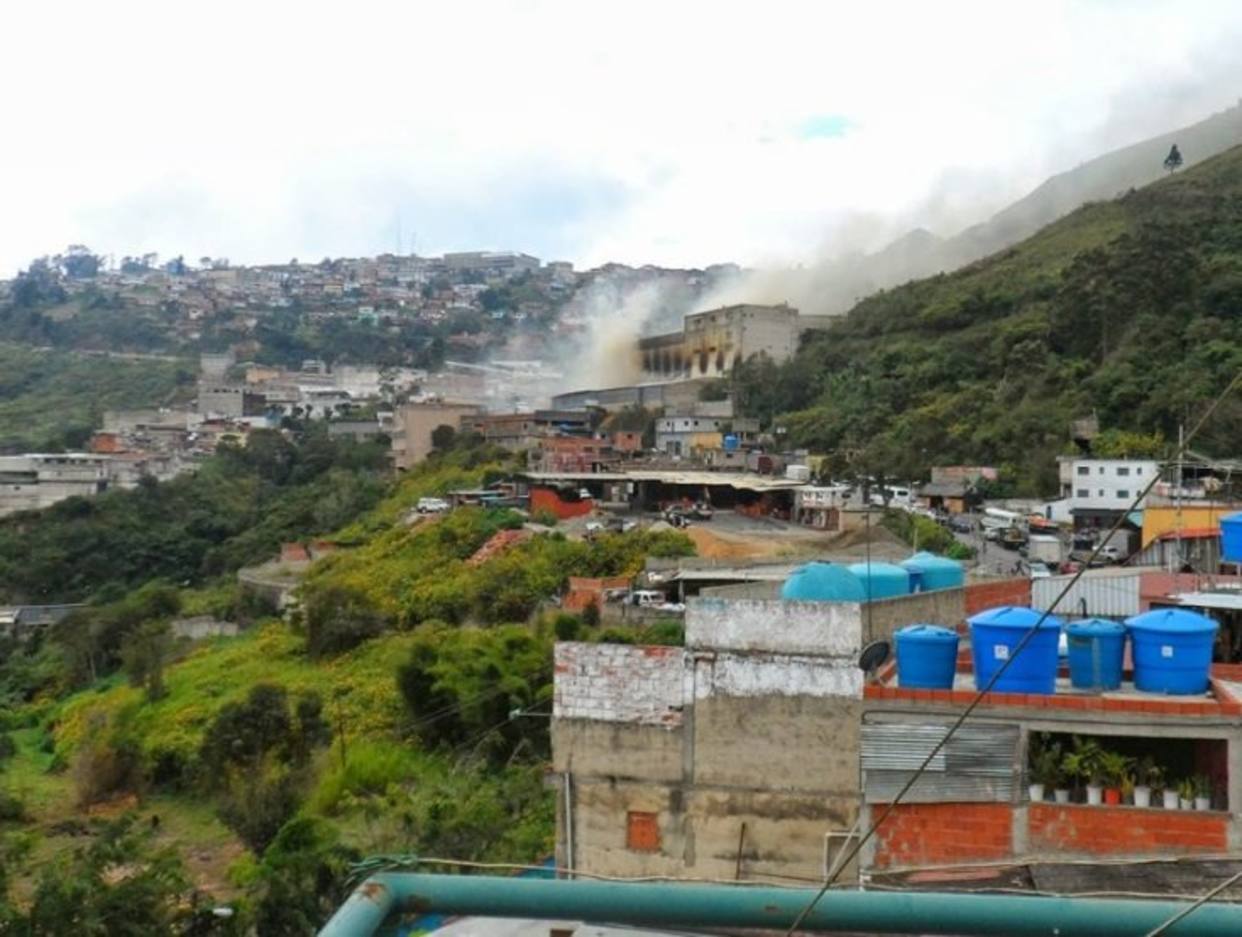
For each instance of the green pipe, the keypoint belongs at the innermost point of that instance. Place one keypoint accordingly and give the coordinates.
(708, 906)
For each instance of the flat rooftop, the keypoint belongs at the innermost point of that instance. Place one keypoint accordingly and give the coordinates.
(742, 481)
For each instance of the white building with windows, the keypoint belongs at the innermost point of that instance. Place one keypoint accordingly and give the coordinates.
(1102, 487)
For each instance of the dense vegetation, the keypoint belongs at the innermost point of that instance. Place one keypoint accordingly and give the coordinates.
(53, 400)
(403, 709)
(234, 510)
(1131, 309)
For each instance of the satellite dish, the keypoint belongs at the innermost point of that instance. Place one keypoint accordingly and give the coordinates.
(874, 656)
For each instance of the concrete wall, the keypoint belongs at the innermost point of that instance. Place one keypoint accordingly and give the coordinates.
(881, 618)
(742, 749)
(415, 424)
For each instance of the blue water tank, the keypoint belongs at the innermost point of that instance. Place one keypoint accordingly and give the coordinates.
(731, 443)
(1096, 651)
(994, 636)
(881, 580)
(938, 572)
(926, 657)
(1231, 538)
(1172, 650)
(822, 582)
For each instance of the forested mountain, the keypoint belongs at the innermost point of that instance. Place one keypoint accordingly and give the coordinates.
(1131, 308)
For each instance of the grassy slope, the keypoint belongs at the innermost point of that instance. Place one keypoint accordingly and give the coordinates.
(361, 696)
(1127, 307)
(45, 393)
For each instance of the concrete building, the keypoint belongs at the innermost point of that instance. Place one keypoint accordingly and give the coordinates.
(1099, 490)
(684, 435)
(711, 343)
(413, 424)
(821, 507)
(502, 263)
(521, 431)
(34, 481)
(735, 757)
(758, 751)
(228, 400)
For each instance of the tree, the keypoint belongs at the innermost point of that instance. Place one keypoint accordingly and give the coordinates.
(339, 618)
(78, 263)
(443, 437)
(1174, 159)
(144, 653)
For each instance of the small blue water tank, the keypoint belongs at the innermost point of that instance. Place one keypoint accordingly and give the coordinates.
(938, 572)
(1172, 650)
(822, 582)
(1231, 538)
(994, 636)
(1096, 651)
(881, 580)
(731, 443)
(926, 657)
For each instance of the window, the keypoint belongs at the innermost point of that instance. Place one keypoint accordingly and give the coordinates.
(1084, 470)
(1138, 470)
(1101, 470)
(1100, 494)
(1122, 493)
(642, 831)
(1123, 471)
(1084, 493)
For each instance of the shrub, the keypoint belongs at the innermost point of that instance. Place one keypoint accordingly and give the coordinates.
(370, 768)
(546, 517)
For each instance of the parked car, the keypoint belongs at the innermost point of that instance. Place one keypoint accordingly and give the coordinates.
(433, 506)
(701, 511)
(1039, 570)
(961, 524)
(1112, 553)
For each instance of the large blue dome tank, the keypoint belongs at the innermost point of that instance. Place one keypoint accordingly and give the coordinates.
(937, 572)
(822, 582)
(881, 580)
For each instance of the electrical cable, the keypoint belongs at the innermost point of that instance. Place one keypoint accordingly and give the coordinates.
(1017, 649)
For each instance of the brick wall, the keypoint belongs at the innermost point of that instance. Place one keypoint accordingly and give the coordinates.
(940, 834)
(985, 595)
(1124, 830)
(619, 683)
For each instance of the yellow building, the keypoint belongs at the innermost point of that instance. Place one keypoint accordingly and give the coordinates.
(1161, 519)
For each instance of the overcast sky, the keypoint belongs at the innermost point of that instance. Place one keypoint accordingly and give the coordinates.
(668, 132)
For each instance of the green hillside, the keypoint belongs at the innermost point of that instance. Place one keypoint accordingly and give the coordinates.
(402, 709)
(52, 399)
(1130, 308)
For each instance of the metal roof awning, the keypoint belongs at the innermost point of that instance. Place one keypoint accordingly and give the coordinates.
(738, 480)
(1224, 601)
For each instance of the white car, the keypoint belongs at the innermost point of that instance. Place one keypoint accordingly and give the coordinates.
(433, 506)
(1040, 570)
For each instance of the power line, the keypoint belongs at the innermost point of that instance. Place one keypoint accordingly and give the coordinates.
(1193, 906)
(1026, 639)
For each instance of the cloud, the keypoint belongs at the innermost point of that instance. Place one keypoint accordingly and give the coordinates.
(683, 133)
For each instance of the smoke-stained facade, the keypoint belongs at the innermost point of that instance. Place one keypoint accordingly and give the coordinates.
(711, 343)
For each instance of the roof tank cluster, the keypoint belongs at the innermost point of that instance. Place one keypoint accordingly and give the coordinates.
(862, 582)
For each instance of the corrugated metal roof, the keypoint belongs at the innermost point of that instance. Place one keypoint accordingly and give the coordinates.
(1112, 595)
(977, 764)
(742, 481)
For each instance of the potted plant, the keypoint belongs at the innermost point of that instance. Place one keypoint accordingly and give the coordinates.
(1186, 794)
(1083, 763)
(1112, 771)
(1045, 769)
(1127, 788)
(1203, 792)
(1147, 779)
(1170, 796)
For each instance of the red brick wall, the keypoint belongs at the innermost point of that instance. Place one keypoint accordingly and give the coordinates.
(984, 595)
(939, 834)
(547, 499)
(1124, 830)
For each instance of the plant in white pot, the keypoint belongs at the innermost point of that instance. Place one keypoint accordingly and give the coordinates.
(1147, 779)
(1169, 796)
(1186, 794)
(1203, 792)
(1084, 762)
(1045, 770)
